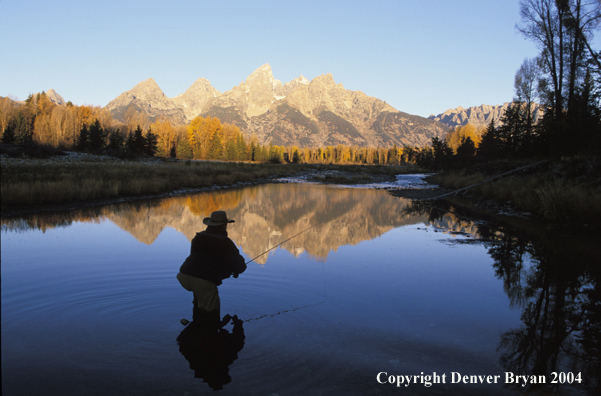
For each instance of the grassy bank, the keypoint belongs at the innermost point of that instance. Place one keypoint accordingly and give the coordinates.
(558, 193)
(62, 180)
(58, 183)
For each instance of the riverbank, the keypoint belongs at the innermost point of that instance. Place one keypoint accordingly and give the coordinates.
(566, 192)
(70, 179)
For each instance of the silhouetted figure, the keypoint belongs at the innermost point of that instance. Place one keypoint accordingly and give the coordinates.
(213, 258)
(210, 349)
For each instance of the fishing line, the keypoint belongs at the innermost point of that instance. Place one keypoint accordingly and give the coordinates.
(281, 243)
(296, 308)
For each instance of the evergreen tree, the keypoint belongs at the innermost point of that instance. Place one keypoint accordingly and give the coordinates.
(231, 151)
(8, 136)
(129, 144)
(96, 137)
(138, 141)
(215, 151)
(467, 148)
(150, 144)
(489, 145)
(241, 148)
(184, 150)
(441, 153)
(115, 140)
(82, 139)
(513, 131)
(252, 151)
(24, 126)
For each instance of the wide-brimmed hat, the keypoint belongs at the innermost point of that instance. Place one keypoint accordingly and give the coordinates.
(217, 218)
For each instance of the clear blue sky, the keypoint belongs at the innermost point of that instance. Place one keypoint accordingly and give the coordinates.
(422, 57)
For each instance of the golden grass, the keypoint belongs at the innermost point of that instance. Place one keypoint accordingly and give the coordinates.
(552, 199)
(57, 182)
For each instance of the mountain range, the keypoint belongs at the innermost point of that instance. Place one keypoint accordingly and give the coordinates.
(304, 113)
(480, 116)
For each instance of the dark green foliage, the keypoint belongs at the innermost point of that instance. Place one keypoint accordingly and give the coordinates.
(490, 144)
(150, 144)
(116, 140)
(241, 148)
(467, 148)
(215, 147)
(138, 142)
(96, 137)
(82, 139)
(8, 136)
(184, 151)
(513, 130)
(441, 154)
(24, 126)
(231, 151)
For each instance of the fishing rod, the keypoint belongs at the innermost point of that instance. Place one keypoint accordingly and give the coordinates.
(281, 243)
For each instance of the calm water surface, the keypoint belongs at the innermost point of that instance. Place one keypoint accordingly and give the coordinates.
(91, 305)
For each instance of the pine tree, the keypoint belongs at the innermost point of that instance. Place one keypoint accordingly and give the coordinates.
(466, 149)
(96, 137)
(184, 150)
(489, 146)
(215, 148)
(129, 144)
(150, 146)
(138, 141)
(115, 140)
(8, 136)
(82, 139)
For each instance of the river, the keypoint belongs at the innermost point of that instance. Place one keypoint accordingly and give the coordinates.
(372, 289)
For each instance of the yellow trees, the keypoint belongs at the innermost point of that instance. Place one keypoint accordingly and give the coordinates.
(456, 136)
(201, 134)
(209, 139)
(167, 136)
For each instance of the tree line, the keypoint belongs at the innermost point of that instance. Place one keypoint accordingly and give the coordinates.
(93, 129)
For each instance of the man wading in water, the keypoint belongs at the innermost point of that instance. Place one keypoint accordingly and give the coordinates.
(213, 258)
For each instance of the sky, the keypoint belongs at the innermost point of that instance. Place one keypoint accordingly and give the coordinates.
(421, 57)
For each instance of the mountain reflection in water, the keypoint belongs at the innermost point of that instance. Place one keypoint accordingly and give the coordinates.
(552, 281)
(265, 216)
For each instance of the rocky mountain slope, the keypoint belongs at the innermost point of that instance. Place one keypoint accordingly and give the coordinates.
(55, 98)
(146, 97)
(300, 112)
(480, 116)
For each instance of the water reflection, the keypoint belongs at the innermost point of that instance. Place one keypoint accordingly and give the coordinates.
(265, 215)
(211, 349)
(555, 281)
(436, 308)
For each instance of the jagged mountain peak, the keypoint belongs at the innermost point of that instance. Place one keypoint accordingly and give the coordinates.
(147, 85)
(301, 112)
(54, 97)
(263, 76)
(479, 116)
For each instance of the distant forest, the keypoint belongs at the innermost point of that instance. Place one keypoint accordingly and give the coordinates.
(39, 121)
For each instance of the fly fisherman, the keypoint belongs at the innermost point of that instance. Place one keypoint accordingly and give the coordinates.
(213, 258)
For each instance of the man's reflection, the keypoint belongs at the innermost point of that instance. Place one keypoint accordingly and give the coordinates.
(210, 349)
